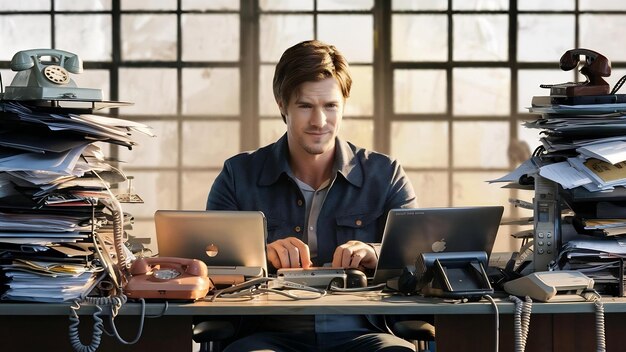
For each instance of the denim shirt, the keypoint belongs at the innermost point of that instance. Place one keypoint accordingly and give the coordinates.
(365, 187)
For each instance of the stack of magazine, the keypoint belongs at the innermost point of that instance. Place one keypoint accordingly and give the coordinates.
(54, 183)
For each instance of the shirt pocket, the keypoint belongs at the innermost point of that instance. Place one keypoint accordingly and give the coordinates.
(278, 229)
(360, 227)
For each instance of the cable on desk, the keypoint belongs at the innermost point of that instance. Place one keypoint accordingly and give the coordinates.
(254, 287)
(521, 321)
(495, 307)
(350, 290)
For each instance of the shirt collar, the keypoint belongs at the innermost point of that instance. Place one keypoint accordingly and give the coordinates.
(346, 163)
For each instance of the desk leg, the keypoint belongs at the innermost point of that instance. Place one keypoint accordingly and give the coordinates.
(50, 333)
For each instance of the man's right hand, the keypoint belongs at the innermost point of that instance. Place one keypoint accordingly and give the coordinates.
(289, 252)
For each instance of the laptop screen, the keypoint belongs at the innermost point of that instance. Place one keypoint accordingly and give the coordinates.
(229, 242)
(411, 232)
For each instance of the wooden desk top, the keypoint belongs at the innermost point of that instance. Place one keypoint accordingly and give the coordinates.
(370, 303)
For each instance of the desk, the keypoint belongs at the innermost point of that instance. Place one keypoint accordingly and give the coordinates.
(558, 327)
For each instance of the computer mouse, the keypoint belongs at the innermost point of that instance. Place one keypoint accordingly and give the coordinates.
(355, 278)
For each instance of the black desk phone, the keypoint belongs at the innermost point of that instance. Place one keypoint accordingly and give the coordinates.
(594, 67)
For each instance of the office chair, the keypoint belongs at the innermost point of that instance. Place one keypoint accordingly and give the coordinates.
(211, 333)
(420, 332)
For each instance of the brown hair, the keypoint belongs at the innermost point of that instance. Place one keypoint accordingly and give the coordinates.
(309, 61)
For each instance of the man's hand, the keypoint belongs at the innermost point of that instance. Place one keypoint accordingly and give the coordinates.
(289, 252)
(355, 254)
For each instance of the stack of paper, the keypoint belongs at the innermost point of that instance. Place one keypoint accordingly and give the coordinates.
(601, 259)
(53, 180)
(584, 152)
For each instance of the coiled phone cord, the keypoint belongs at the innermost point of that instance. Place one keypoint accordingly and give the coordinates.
(600, 326)
(521, 321)
(594, 296)
(115, 302)
(73, 330)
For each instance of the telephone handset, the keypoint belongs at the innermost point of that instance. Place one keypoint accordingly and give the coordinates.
(56, 70)
(595, 66)
(41, 79)
(168, 278)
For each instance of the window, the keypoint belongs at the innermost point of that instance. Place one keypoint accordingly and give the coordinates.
(441, 85)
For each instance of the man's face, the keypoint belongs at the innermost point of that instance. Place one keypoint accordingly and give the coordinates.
(313, 116)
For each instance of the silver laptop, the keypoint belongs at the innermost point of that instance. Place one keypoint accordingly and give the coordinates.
(411, 232)
(229, 242)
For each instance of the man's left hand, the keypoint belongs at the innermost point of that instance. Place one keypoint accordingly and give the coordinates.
(355, 254)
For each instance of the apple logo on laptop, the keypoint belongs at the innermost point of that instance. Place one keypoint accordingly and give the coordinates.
(211, 250)
(439, 246)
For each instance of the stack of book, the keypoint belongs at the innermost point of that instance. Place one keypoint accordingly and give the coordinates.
(54, 182)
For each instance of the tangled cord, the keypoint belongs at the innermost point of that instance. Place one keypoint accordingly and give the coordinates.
(115, 303)
(521, 321)
(257, 286)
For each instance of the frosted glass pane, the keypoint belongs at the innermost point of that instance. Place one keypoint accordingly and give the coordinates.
(7, 76)
(357, 44)
(336, 5)
(420, 144)
(148, 5)
(419, 5)
(196, 187)
(358, 132)
(616, 74)
(544, 38)
(211, 91)
(30, 5)
(286, 5)
(210, 5)
(158, 189)
(529, 81)
(209, 143)
(159, 151)
(529, 136)
(89, 36)
(419, 91)
(470, 189)
(153, 90)
(480, 4)
(279, 32)
(98, 79)
(271, 130)
(144, 229)
(480, 37)
(149, 37)
(545, 5)
(598, 33)
(23, 32)
(267, 103)
(596, 5)
(431, 188)
(481, 91)
(480, 144)
(210, 37)
(83, 5)
(419, 38)
(361, 101)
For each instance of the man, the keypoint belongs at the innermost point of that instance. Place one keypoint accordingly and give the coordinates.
(325, 199)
